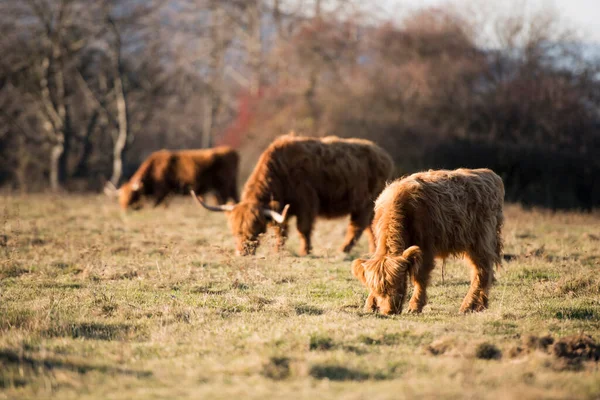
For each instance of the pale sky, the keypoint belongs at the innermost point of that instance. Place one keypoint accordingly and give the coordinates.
(581, 15)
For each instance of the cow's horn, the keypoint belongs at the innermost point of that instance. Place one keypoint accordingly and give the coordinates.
(137, 185)
(110, 189)
(275, 216)
(225, 207)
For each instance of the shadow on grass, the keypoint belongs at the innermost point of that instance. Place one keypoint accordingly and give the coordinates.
(10, 357)
(581, 313)
(60, 285)
(94, 330)
(320, 342)
(13, 270)
(208, 289)
(337, 373)
(305, 309)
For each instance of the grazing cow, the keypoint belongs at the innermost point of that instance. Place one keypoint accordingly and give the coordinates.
(433, 214)
(328, 177)
(165, 172)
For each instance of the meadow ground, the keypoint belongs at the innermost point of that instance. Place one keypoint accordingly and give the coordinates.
(154, 304)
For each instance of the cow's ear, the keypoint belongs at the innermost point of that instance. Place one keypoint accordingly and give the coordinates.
(358, 270)
(414, 256)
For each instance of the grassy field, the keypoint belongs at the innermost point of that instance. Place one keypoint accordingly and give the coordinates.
(99, 304)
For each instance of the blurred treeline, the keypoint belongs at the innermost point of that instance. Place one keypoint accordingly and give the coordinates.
(88, 89)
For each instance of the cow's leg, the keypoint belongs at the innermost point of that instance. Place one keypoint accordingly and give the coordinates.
(359, 221)
(221, 197)
(498, 240)
(482, 275)
(420, 279)
(233, 193)
(304, 223)
(370, 304)
(160, 196)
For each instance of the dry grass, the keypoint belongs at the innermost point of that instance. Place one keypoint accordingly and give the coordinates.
(97, 304)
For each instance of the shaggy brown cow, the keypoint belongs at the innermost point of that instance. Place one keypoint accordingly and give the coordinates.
(328, 177)
(433, 214)
(165, 172)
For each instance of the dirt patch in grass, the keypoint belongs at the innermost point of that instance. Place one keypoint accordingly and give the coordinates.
(277, 368)
(208, 289)
(531, 343)
(582, 347)
(395, 338)
(488, 351)
(61, 264)
(538, 342)
(320, 342)
(305, 309)
(238, 285)
(569, 352)
(286, 279)
(440, 346)
(124, 275)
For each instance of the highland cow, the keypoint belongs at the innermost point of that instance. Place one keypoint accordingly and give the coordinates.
(433, 214)
(165, 172)
(328, 177)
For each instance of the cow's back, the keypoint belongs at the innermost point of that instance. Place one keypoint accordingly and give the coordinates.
(343, 174)
(443, 209)
(155, 171)
(206, 169)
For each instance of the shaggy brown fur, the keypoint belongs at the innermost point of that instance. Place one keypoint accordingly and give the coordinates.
(433, 214)
(165, 172)
(328, 177)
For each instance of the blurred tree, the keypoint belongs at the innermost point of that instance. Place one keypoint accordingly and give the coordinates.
(79, 81)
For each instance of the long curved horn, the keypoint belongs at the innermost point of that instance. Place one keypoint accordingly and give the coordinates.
(225, 207)
(275, 216)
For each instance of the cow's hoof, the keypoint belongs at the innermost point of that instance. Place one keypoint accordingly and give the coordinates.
(473, 307)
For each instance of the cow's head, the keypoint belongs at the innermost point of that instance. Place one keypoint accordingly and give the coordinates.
(247, 220)
(129, 194)
(386, 277)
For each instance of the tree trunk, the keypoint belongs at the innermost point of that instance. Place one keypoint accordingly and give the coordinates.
(280, 64)
(55, 112)
(121, 140)
(254, 45)
(213, 92)
(314, 77)
(82, 168)
(207, 120)
(121, 104)
(55, 156)
(63, 161)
